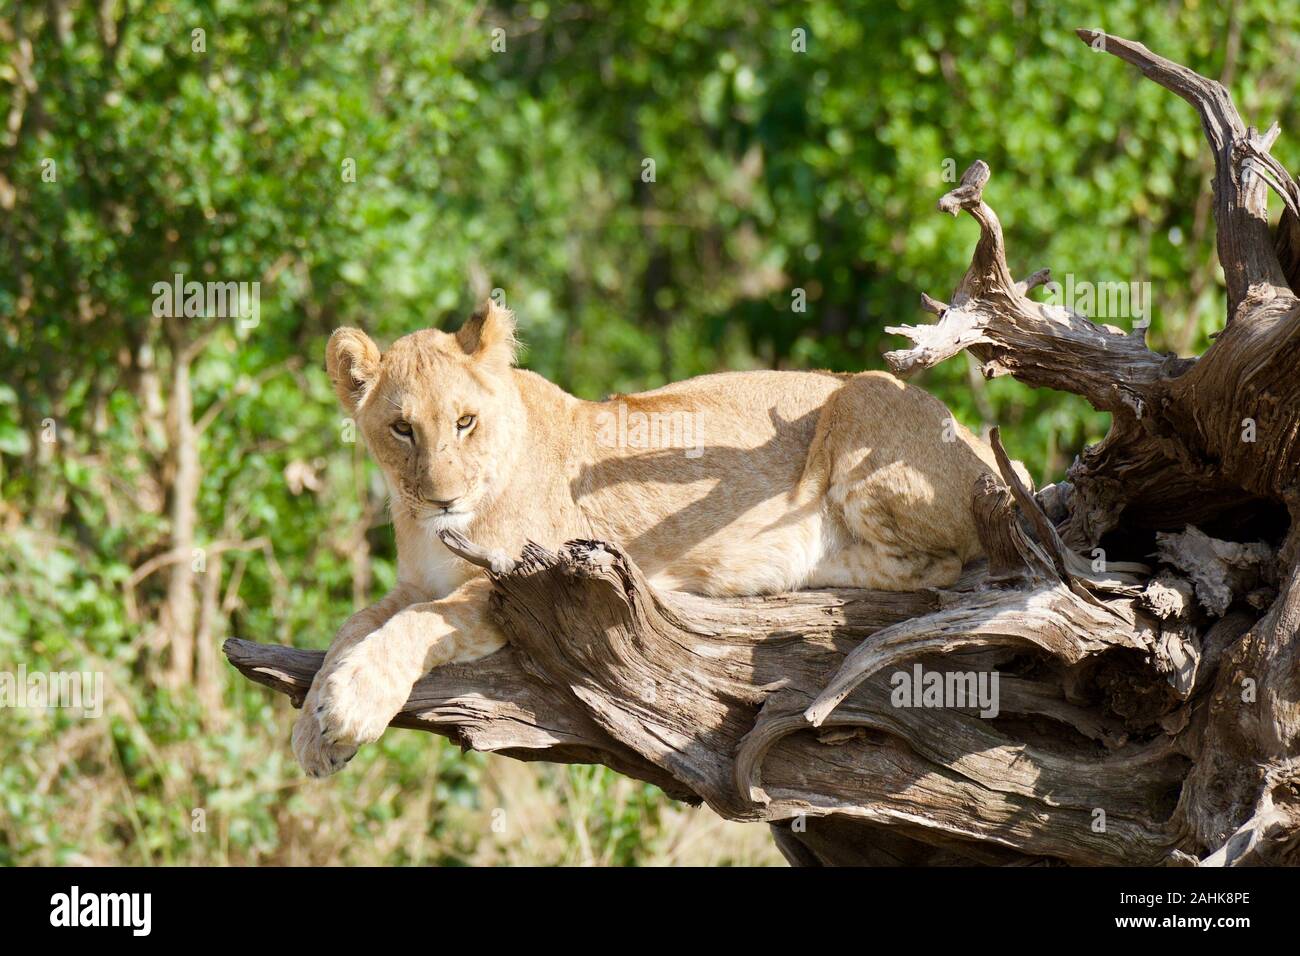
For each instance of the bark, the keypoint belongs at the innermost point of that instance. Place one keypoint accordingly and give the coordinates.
(1148, 708)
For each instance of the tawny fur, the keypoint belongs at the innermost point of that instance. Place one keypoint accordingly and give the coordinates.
(777, 481)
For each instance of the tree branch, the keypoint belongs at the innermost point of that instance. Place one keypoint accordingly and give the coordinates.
(705, 698)
(1040, 344)
(1250, 265)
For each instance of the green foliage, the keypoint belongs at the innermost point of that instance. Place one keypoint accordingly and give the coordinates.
(475, 169)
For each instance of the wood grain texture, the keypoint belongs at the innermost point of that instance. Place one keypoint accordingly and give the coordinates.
(706, 698)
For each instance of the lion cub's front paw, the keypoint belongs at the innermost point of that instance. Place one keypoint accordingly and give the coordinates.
(317, 756)
(351, 706)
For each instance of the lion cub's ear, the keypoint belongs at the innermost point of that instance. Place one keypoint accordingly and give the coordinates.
(489, 335)
(352, 361)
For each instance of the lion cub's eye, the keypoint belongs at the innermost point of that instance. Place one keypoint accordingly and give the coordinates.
(402, 429)
(465, 421)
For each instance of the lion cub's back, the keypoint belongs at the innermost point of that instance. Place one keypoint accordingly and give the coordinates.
(793, 468)
(705, 459)
(758, 401)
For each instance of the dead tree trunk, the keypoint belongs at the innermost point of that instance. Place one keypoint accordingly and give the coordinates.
(1146, 715)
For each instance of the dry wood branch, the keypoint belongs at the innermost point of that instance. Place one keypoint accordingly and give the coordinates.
(1250, 766)
(705, 698)
(1176, 453)
(1245, 246)
(491, 705)
(1041, 344)
(1286, 243)
(1246, 378)
(1221, 570)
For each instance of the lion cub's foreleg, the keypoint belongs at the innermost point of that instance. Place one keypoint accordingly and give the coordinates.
(376, 658)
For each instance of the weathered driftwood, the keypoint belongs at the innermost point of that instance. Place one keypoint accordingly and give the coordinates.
(1146, 714)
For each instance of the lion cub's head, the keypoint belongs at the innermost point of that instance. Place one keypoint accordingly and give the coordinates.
(441, 413)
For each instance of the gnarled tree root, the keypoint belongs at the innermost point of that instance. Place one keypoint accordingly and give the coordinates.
(706, 698)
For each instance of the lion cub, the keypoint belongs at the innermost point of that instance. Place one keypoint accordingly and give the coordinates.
(728, 484)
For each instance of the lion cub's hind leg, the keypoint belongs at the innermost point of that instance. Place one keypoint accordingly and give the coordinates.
(883, 569)
(364, 683)
(899, 474)
(881, 543)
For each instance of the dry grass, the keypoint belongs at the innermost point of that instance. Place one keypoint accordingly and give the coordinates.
(106, 792)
